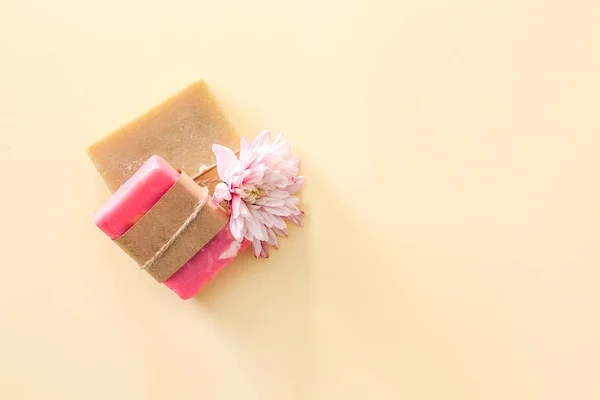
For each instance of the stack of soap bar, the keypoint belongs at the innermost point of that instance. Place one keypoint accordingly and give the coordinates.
(137, 196)
(181, 130)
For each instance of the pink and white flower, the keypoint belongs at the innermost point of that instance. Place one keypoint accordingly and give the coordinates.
(259, 188)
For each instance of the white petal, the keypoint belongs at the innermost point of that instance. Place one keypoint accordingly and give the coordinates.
(278, 139)
(281, 148)
(221, 193)
(235, 207)
(236, 226)
(225, 158)
(262, 139)
(244, 209)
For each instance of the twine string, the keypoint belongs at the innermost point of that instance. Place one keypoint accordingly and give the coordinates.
(149, 263)
(204, 182)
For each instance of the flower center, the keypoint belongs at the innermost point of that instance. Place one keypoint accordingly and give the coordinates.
(254, 194)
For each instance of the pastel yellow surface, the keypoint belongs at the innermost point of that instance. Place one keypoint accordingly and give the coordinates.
(452, 242)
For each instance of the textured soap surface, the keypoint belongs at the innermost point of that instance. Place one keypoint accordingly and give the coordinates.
(181, 130)
(137, 196)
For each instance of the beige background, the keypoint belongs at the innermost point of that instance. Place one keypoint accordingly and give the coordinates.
(451, 247)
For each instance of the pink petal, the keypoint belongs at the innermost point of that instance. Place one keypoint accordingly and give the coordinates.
(272, 239)
(276, 221)
(254, 175)
(282, 182)
(245, 152)
(225, 158)
(257, 247)
(295, 185)
(257, 229)
(281, 211)
(278, 194)
(262, 219)
(271, 221)
(292, 201)
(269, 201)
(281, 232)
(265, 250)
(295, 219)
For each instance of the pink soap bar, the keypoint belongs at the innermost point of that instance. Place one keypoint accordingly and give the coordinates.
(136, 197)
(201, 268)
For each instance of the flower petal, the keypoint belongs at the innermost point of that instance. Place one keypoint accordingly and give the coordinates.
(259, 188)
(264, 250)
(279, 194)
(297, 219)
(254, 227)
(246, 155)
(272, 239)
(282, 182)
(281, 232)
(295, 184)
(278, 222)
(231, 251)
(225, 158)
(235, 206)
(281, 211)
(262, 139)
(292, 201)
(221, 193)
(244, 209)
(269, 201)
(254, 174)
(278, 139)
(237, 228)
(257, 247)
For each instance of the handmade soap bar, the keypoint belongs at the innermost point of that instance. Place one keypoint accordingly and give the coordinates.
(181, 130)
(201, 268)
(138, 195)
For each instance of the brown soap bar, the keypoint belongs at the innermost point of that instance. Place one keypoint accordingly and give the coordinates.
(181, 130)
(144, 239)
